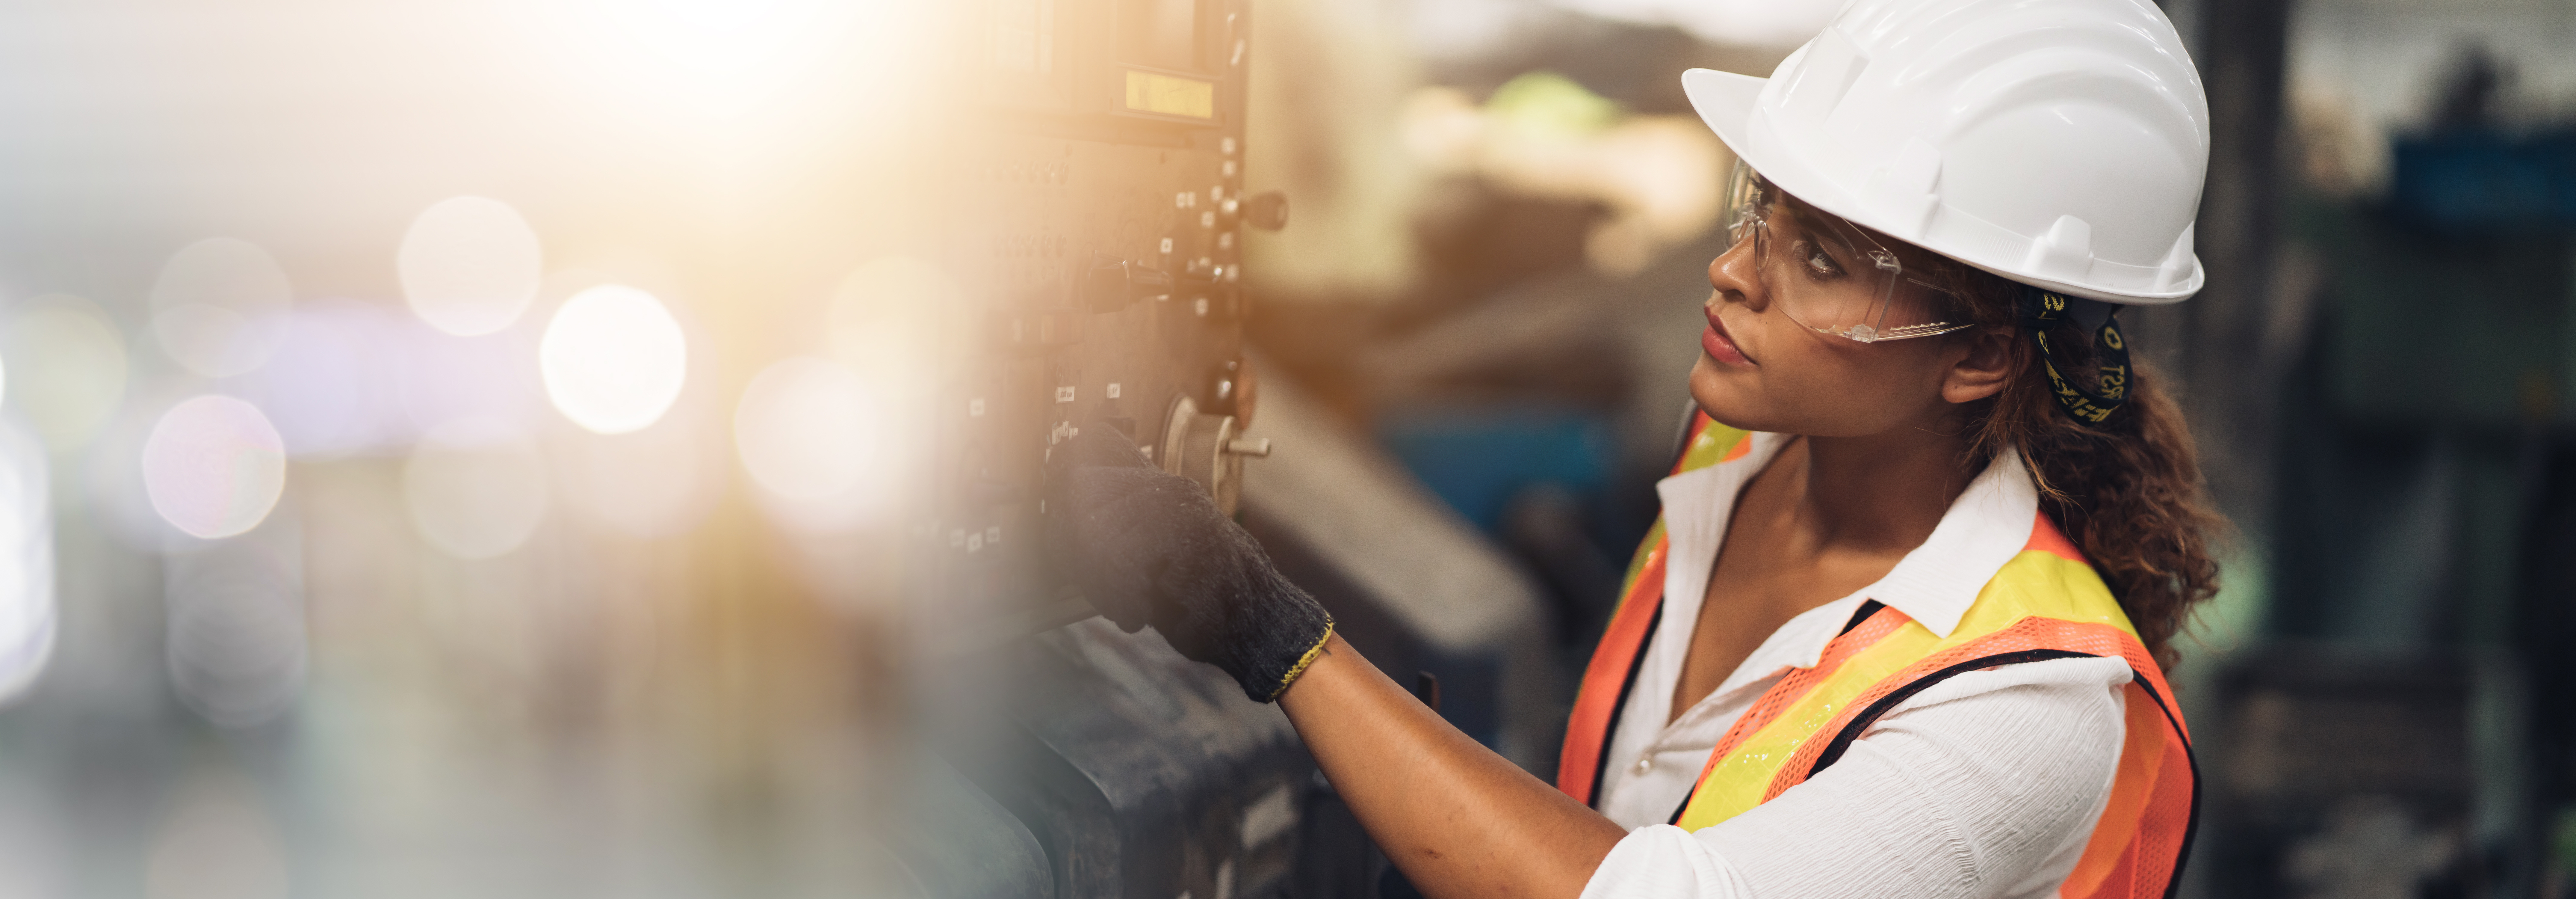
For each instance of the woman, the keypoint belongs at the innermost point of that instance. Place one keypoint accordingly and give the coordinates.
(1901, 629)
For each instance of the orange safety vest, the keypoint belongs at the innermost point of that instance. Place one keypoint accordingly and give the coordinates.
(2046, 603)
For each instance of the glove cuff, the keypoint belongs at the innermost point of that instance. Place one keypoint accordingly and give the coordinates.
(1312, 653)
(1265, 634)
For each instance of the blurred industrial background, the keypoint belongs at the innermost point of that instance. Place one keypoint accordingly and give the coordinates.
(464, 447)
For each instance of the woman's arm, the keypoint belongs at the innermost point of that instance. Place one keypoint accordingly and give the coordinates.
(1459, 820)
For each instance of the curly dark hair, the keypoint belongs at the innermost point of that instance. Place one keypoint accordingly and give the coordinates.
(2128, 492)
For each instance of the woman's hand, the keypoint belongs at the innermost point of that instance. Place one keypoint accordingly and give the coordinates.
(1459, 820)
(1149, 547)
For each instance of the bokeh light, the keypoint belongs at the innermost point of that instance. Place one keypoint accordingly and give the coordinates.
(214, 466)
(235, 630)
(613, 359)
(218, 306)
(813, 435)
(27, 608)
(476, 488)
(803, 428)
(68, 361)
(470, 265)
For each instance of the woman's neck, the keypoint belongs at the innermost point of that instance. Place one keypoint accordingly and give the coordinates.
(1884, 491)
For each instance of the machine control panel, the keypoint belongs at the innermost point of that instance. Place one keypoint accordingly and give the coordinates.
(1097, 231)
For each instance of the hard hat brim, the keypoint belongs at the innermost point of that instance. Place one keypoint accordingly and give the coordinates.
(1727, 102)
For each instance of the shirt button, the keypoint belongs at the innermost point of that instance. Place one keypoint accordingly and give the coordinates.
(1645, 764)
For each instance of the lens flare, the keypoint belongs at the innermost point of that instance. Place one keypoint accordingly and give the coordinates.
(214, 466)
(470, 265)
(218, 307)
(613, 359)
(476, 489)
(69, 361)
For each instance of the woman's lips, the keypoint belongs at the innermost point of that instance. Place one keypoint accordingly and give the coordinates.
(1714, 341)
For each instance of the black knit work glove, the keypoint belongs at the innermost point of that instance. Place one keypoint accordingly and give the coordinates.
(1148, 547)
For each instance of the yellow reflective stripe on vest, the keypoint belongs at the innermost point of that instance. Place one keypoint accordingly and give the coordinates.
(1713, 444)
(2034, 583)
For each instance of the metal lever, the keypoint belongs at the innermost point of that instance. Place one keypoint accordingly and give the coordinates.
(1249, 446)
(1114, 283)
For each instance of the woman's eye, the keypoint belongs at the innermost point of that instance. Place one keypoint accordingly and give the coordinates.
(1820, 263)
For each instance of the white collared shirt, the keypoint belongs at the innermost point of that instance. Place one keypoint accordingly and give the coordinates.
(1985, 785)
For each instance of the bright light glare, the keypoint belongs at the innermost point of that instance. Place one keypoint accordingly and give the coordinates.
(812, 433)
(69, 359)
(724, 55)
(218, 306)
(27, 616)
(805, 428)
(476, 489)
(470, 265)
(213, 466)
(613, 359)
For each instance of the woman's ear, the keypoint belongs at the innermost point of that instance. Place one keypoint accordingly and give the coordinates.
(1983, 370)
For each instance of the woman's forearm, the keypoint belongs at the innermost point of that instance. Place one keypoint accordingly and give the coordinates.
(1459, 820)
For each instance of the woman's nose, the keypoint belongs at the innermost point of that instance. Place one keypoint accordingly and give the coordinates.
(1733, 274)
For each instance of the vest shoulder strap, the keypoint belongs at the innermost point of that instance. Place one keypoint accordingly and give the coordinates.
(1612, 671)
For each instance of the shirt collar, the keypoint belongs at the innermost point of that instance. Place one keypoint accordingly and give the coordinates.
(1935, 584)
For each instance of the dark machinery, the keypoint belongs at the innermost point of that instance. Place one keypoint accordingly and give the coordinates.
(1100, 234)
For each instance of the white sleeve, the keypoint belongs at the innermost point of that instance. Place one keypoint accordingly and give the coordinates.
(1985, 785)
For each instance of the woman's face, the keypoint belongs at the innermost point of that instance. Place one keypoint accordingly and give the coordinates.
(1761, 371)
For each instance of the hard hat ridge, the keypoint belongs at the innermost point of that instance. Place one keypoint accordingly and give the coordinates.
(2060, 143)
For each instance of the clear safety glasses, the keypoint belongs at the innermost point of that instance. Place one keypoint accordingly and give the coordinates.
(1826, 273)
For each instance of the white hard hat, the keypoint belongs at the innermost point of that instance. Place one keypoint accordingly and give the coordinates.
(2058, 143)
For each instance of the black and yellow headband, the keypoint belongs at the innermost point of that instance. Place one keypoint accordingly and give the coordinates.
(2094, 402)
